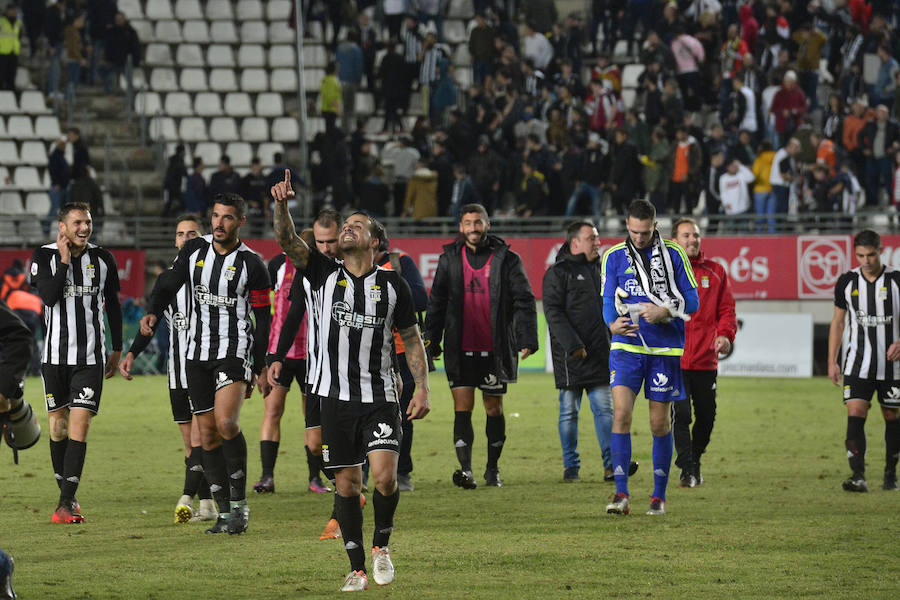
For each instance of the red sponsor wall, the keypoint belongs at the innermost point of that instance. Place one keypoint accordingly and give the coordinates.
(130, 263)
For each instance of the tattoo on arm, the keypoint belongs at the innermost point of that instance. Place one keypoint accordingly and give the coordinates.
(415, 355)
(295, 248)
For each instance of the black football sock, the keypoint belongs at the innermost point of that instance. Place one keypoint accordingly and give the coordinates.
(495, 429)
(334, 507)
(268, 452)
(193, 471)
(58, 457)
(203, 492)
(74, 463)
(892, 446)
(463, 436)
(214, 470)
(350, 518)
(236, 463)
(856, 445)
(385, 507)
(313, 464)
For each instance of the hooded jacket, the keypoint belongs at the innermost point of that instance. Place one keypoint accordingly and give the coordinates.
(574, 310)
(715, 316)
(513, 312)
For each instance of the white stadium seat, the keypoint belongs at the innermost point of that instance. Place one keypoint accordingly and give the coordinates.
(33, 103)
(37, 203)
(159, 9)
(223, 129)
(220, 55)
(189, 55)
(460, 9)
(196, 32)
(138, 80)
(237, 104)
(47, 127)
(162, 79)
(282, 55)
(630, 75)
(284, 80)
(461, 56)
(167, 32)
(114, 232)
(314, 55)
(249, 9)
(219, 11)
(312, 79)
(208, 151)
(254, 32)
(314, 125)
(222, 80)
(280, 33)
(278, 10)
(255, 129)
(178, 104)
(163, 128)
(240, 153)
(285, 129)
(251, 55)
(147, 103)
(9, 153)
(32, 231)
(27, 179)
(269, 104)
(266, 152)
(628, 98)
(455, 31)
(144, 29)
(192, 129)
(34, 153)
(223, 32)
(11, 203)
(194, 80)
(254, 80)
(365, 103)
(9, 103)
(208, 104)
(132, 9)
(5, 181)
(621, 48)
(188, 9)
(3, 133)
(9, 234)
(315, 31)
(23, 79)
(19, 127)
(158, 55)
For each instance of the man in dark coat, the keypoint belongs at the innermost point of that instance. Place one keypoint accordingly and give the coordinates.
(625, 171)
(482, 306)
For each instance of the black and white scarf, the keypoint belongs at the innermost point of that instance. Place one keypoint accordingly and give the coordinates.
(656, 275)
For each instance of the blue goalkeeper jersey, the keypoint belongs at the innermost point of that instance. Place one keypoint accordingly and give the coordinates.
(665, 339)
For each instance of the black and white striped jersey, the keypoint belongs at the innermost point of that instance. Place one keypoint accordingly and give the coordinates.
(224, 289)
(178, 315)
(873, 320)
(350, 321)
(75, 297)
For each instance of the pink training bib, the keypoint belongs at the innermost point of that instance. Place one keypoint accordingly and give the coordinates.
(476, 334)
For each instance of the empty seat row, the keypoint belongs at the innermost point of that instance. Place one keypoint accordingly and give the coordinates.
(239, 153)
(215, 32)
(36, 203)
(24, 178)
(31, 103)
(20, 127)
(222, 10)
(31, 153)
(223, 55)
(209, 104)
(225, 129)
(194, 79)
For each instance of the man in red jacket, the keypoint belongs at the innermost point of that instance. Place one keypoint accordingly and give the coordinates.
(710, 332)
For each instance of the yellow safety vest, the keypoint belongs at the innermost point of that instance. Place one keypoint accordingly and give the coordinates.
(9, 36)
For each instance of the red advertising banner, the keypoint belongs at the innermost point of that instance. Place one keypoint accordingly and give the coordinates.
(760, 267)
(129, 262)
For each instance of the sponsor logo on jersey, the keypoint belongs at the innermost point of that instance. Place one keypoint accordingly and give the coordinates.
(179, 321)
(72, 291)
(229, 273)
(634, 288)
(375, 293)
(203, 296)
(345, 317)
(865, 320)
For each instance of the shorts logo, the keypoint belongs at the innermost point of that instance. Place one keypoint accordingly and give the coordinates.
(85, 397)
(893, 393)
(229, 273)
(34, 269)
(660, 379)
(382, 436)
(222, 380)
(51, 401)
(660, 383)
(490, 379)
(375, 293)
(385, 430)
(847, 392)
(325, 453)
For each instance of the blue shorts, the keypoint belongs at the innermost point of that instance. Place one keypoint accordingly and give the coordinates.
(661, 375)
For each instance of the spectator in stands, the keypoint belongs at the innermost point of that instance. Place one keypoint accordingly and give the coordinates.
(421, 193)
(484, 165)
(173, 183)
(810, 42)
(411, 39)
(689, 56)
(730, 60)
(686, 163)
(851, 128)
(672, 106)
(84, 189)
(885, 84)
(445, 93)
(394, 87)
(463, 191)
(33, 19)
(101, 15)
(879, 140)
(428, 69)
(14, 278)
(81, 158)
(76, 54)
(122, 43)
(714, 171)
(537, 47)
(350, 66)
(375, 194)
(833, 119)
(481, 48)
(788, 106)
(195, 196)
(368, 43)
(625, 171)
(763, 198)
(652, 97)
(531, 197)
(10, 46)
(826, 152)
(394, 11)
(749, 26)
(330, 92)
(254, 189)
(225, 180)
(60, 174)
(734, 192)
(743, 106)
(53, 30)
(783, 173)
(657, 171)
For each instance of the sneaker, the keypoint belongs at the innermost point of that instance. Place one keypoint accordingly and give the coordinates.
(404, 484)
(315, 485)
(239, 518)
(382, 567)
(362, 500)
(464, 479)
(890, 483)
(265, 485)
(356, 582)
(206, 512)
(7, 566)
(492, 478)
(657, 506)
(856, 483)
(66, 513)
(221, 524)
(687, 479)
(183, 510)
(571, 474)
(620, 505)
(332, 531)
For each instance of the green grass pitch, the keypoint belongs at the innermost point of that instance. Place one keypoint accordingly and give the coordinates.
(770, 521)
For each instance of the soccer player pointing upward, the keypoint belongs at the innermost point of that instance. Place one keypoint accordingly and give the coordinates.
(354, 307)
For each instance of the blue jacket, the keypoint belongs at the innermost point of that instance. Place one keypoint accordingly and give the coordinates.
(349, 59)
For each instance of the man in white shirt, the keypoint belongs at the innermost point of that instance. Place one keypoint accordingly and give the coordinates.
(537, 47)
(735, 193)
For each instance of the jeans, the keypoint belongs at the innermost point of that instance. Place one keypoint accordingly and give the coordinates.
(764, 204)
(569, 407)
(809, 81)
(584, 188)
(782, 194)
(73, 70)
(53, 73)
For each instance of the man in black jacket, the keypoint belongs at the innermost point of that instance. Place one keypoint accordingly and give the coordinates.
(121, 42)
(481, 283)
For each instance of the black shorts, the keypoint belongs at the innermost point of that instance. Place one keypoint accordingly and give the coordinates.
(206, 377)
(181, 405)
(856, 388)
(67, 386)
(291, 369)
(478, 369)
(313, 414)
(350, 430)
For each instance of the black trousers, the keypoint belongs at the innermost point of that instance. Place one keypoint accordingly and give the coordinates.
(8, 65)
(700, 387)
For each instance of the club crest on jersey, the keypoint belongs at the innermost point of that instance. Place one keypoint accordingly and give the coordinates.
(704, 282)
(375, 293)
(346, 317)
(90, 271)
(203, 296)
(881, 294)
(229, 273)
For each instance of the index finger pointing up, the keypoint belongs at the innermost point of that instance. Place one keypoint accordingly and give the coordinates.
(287, 178)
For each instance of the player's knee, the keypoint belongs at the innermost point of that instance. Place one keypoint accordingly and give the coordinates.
(59, 427)
(660, 426)
(386, 483)
(275, 412)
(891, 414)
(228, 427)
